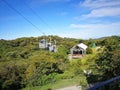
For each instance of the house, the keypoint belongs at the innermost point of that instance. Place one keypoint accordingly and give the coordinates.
(42, 43)
(78, 50)
(48, 46)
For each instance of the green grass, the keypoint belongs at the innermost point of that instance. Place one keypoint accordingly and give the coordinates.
(60, 84)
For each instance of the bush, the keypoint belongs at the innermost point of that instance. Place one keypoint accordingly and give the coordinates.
(89, 51)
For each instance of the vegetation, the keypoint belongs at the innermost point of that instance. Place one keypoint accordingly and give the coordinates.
(24, 65)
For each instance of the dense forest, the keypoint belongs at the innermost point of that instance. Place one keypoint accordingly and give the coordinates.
(23, 63)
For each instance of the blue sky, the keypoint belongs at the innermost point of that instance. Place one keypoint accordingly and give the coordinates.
(66, 18)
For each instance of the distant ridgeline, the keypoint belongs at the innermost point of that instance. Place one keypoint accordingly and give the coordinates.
(48, 46)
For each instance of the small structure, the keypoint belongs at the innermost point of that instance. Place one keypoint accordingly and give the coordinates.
(43, 44)
(78, 50)
(93, 45)
(48, 46)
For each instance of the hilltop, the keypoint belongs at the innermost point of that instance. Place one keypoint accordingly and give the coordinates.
(24, 64)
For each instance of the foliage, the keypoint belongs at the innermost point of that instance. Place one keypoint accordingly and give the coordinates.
(89, 51)
(108, 60)
(11, 76)
(23, 64)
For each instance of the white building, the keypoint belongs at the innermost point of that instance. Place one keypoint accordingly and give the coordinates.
(78, 50)
(48, 46)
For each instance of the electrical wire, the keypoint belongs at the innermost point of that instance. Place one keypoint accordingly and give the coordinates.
(34, 12)
(39, 17)
(10, 6)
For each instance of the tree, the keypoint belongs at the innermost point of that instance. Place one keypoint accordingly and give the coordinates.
(109, 63)
(89, 51)
(11, 76)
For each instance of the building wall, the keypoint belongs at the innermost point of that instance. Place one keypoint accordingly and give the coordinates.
(47, 46)
(77, 52)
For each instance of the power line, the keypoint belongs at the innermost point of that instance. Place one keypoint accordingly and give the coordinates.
(42, 20)
(34, 12)
(22, 16)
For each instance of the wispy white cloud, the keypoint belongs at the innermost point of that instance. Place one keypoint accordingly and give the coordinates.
(94, 30)
(96, 26)
(103, 12)
(100, 3)
(100, 8)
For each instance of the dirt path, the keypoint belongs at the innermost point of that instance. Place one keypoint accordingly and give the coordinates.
(71, 88)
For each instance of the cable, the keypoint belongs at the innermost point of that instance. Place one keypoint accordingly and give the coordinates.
(23, 16)
(42, 20)
(34, 12)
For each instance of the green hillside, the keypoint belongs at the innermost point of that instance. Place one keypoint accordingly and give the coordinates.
(23, 64)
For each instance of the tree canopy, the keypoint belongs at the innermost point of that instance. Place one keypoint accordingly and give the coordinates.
(23, 63)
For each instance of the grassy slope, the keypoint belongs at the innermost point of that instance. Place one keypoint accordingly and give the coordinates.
(76, 80)
(58, 84)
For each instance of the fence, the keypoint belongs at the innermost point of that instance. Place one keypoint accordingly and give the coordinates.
(112, 84)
